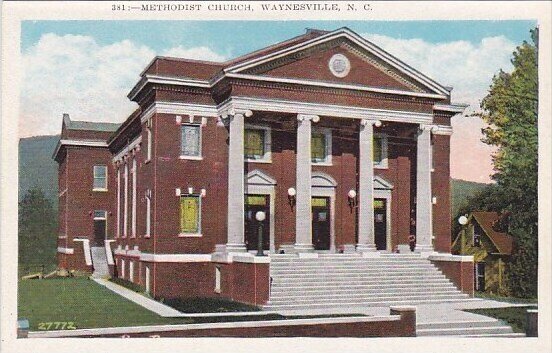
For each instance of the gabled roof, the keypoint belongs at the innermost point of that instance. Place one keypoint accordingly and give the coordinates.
(503, 242)
(353, 37)
(207, 73)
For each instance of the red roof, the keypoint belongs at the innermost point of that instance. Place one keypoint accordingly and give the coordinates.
(503, 242)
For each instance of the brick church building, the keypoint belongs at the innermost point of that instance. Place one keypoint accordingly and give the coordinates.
(344, 148)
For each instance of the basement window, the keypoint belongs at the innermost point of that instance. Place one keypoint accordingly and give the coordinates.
(218, 280)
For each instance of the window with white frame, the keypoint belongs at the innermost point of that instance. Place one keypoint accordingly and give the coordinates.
(190, 141)
(148, 213)
(321, 146)
(190, 215)
(149, 137)
(257, 141)
(100, 177)
(380, 151)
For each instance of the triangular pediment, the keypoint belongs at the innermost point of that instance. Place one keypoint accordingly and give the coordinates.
(382, 184)
(340, 57)
(256, 177)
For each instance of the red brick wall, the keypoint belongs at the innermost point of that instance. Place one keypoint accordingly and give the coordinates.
(385, 328)
(244, 282)
(76, 219)
(460, 273)
(441, 189)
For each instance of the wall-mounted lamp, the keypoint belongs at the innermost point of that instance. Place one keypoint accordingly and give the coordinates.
(434, 200)
(190, 190)
(352, 198)
(203, 192)
(178, 120)
(177, 192)
(291, 196)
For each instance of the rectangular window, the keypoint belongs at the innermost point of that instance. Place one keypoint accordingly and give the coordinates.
(321, 146)
(190, 214)
(218, 279)
(148, 213)
(254, 144)
(479, 276)
(131, 271)
(318, 147)
(100, 177)
(149, 136)
(380, 151)
(190, 145)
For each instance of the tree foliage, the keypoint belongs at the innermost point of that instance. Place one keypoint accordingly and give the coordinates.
(37, 229)
(510, 109)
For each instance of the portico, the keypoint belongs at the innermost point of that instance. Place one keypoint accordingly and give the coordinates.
(365, 189)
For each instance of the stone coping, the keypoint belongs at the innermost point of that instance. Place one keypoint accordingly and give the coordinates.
(450, 258)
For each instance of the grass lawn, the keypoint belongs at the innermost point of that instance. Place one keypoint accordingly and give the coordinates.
(83, 302)
(514, 316)
(89, 305)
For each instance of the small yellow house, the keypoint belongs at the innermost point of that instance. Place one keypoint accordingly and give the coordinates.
(490, 248)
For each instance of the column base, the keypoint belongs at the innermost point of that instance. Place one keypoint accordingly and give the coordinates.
(424, 250)
(230, 248)
(366, 248)
(303, 248)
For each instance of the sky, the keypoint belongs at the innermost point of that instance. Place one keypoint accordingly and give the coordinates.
(86, 68)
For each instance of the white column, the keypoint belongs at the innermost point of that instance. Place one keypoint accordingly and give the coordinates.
(366, 238)
(235, 237)
(303, 210)
(424, 227)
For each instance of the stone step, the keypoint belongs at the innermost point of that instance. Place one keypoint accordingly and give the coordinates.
(362, 298)
(458, 324)
(359, 265)
(283, 307)
(353, 271)
(322, 291)
(357, 281)
(347, 260)
(463, 331)
(504, 335)
(359, 287)
(374, 277)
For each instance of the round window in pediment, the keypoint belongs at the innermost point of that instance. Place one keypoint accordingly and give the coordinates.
(339, 65)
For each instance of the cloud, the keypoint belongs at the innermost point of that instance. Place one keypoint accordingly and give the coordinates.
(469, 68)
(77, 75)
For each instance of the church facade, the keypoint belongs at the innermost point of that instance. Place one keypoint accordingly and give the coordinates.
(341, 146)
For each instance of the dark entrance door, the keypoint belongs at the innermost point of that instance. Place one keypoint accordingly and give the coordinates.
(254, 204)
(480, 276)
(100, 227)
(380, 223)
(321, 223)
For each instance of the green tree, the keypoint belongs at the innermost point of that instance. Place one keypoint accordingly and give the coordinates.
(37, 230)
(510, 109)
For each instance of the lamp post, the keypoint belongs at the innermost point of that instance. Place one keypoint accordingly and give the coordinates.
(462, 220)
(260, 217)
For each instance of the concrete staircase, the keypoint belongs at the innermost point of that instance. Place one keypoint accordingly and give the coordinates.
(99, 262)
(487, 327)
(348, 280)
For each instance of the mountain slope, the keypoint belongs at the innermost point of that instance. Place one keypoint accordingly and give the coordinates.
(37, 168)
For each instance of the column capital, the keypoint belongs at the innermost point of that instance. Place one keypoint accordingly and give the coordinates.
(428, 127)
(369, 121)
(304, 117)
